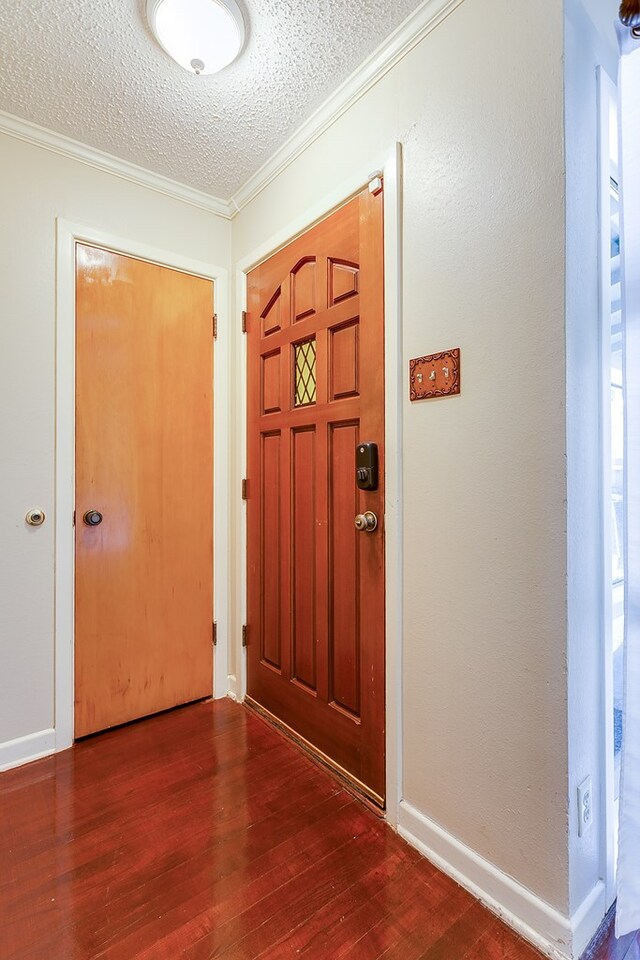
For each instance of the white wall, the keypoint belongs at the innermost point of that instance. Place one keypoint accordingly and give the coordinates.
(36, 187)
(604, 16)
(478, 107)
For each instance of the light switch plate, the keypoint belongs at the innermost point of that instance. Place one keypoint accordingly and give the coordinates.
(437, 375)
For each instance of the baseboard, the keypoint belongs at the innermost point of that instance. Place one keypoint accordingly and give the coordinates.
(234, 687)
(555, 935)
(13, 753)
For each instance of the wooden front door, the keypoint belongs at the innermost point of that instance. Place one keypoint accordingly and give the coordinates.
(144, 466)
(316, 585)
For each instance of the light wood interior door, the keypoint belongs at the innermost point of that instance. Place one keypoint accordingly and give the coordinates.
(316, 586)
(144, 461)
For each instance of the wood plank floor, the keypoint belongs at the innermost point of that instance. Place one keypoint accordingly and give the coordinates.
(203, 833)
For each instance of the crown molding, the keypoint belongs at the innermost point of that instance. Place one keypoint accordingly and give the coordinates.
(410, 32)
(66, 147)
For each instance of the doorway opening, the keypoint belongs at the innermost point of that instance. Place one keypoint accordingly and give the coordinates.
(613, 403)
(616, 448)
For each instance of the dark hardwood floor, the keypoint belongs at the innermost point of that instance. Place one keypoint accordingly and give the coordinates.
(203, 833)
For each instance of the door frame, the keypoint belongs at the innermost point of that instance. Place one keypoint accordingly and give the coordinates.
(607, 94)
(389, 165)
(67, 235)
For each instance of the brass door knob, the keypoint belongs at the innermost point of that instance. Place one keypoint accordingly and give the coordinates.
(366, 522)
(35, 518)
(92, 518)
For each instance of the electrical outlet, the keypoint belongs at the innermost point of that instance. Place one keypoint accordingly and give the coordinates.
(585, 806)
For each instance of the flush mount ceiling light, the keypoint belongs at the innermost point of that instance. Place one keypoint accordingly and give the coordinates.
(203, 36)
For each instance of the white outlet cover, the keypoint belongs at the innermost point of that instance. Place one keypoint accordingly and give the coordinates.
(585, 806)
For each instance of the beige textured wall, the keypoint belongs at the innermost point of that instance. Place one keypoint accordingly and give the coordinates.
(478, 106)
(36, 187)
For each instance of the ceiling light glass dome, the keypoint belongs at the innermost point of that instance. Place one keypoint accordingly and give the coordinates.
(203, 36)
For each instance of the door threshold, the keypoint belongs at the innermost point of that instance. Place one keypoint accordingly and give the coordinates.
(358, 789)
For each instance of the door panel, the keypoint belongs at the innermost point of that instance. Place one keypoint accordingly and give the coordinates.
(144, 459)
(271, 571)
(344, 595)
(315, 584)
(304, 594)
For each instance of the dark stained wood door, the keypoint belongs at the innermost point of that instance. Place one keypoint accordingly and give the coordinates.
(144, 460)
(316, 586)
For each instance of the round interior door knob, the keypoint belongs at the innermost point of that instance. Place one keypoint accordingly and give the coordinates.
(366, 522)
(92, 518)
(35, 518)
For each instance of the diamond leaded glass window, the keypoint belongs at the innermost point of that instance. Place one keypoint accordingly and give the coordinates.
(305, 373)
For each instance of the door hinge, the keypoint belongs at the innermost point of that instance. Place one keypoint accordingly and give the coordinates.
(244, 635)
(214, 633)
(245, 489)
(244, 321)
(74, 518)
(215, 326)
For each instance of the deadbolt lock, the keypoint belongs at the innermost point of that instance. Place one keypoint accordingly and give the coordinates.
(35, 518)
(367, 465)
(366, 522)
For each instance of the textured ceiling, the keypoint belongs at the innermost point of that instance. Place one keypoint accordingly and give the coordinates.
(92, 70)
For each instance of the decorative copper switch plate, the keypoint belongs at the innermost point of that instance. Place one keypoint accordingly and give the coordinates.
(437, 375)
